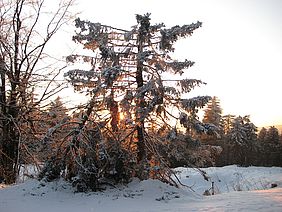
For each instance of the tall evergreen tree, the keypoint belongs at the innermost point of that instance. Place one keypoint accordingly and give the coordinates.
(250, 129)
(227, 122)
(213, 120)
(272, 135)
(262, 134)
(238, 133)
(242, 138)
(126, 80)
(243, 131)
(213, 113)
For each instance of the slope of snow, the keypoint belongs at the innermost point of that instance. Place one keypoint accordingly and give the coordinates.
(152, 195)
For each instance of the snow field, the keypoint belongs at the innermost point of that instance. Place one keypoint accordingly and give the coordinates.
(237, 189)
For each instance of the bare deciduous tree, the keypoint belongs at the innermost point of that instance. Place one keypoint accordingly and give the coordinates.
(26, 29)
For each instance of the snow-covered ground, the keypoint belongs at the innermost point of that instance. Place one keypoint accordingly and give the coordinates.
(236, 188)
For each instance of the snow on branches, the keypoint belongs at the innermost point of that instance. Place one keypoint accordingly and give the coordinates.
(195, 102)
(177, 67)
(170, 36)
(127, 68)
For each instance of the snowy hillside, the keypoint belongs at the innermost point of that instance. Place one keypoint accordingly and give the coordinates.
(236, 188)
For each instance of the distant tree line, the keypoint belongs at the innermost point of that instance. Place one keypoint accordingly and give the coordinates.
(240, 140)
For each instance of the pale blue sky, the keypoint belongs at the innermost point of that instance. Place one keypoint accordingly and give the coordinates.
(238, 51)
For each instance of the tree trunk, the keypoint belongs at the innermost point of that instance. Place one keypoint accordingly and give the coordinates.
(140, 119)
(9, 153)
(10, 143)
(9, 136)
(140, 106)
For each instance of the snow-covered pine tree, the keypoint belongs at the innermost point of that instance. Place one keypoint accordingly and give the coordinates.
(270, 147)
(213, 120)
(272, 135)
(250, 129)
(242, 138)
(129, 92)
(227, 122)
(243, 131)
(213, 112)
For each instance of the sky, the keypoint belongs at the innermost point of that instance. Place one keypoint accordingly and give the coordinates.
(238, 50)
